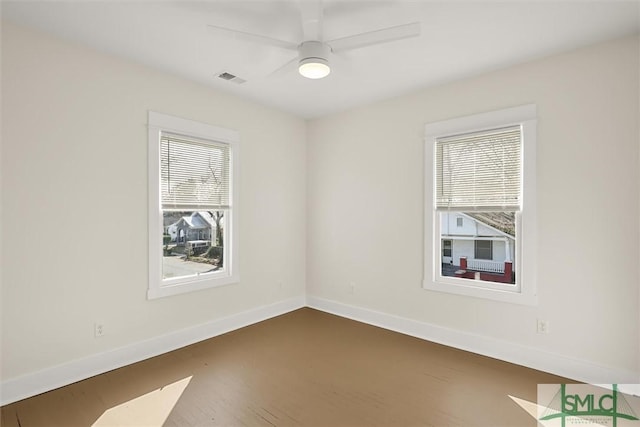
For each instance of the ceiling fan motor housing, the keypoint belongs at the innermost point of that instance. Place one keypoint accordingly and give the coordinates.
(314, 50)
(314, 54)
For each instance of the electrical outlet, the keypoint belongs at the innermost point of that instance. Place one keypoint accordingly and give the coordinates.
(543, 326)
(98, 329)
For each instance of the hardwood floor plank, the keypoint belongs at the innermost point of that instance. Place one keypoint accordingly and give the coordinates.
(305, 368)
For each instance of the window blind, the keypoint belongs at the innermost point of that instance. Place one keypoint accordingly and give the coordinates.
(479, 171)
(194, 173)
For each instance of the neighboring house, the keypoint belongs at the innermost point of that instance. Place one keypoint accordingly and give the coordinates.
(486, 239)
(172, 230)
(198, 226)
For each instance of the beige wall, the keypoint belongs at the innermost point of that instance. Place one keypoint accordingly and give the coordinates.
(347, 189)
(74, 200)
(366, 192)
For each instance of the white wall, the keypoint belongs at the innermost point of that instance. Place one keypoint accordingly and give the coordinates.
(466, 248)
(74, 171)
(449, 225)
(74, 200)
(366, 215)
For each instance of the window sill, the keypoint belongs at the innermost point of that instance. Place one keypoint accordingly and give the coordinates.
(183, 287)
(459, 287)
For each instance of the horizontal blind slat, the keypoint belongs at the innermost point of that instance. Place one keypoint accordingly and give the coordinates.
(479, 171)
(194, 173)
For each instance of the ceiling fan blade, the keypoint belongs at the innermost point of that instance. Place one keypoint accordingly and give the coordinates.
(384, 35)
(311, 14)
(252, 38)
(284, 68)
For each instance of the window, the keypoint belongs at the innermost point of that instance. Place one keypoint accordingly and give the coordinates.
(192, 215)
(446, 248)
(480, 211)
(483, 249)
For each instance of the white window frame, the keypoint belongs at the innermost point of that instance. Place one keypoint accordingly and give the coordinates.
(159, 287)
(525, 290)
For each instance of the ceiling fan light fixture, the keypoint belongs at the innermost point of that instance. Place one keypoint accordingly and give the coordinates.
(314, 68)
(313, 62)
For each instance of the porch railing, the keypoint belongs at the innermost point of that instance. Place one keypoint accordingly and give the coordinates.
(482, 265)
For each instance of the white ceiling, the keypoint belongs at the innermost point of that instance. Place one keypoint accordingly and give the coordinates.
(458, 39)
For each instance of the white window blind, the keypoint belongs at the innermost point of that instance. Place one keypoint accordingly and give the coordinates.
(194, 173)
(479, 171)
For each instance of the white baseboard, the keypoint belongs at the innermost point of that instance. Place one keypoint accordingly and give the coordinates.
(48, 379)
(579, 370)
(51, 378)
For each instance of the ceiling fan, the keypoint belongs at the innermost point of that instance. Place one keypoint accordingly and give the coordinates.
(313, 52)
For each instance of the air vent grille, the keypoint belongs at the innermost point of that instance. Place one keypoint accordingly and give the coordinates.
(225, 75)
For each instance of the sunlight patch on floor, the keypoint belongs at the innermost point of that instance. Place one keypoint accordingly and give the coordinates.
(151, 409)
(536, 411)
(530, 407)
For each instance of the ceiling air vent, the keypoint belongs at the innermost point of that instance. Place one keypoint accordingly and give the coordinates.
(230, 77)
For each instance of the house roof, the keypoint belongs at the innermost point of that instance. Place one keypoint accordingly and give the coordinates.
(207, 217)
(200, 219)
(502, 221)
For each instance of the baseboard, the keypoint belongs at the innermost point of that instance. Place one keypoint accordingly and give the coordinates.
(51, 378)
(579, 370)
(35, 383)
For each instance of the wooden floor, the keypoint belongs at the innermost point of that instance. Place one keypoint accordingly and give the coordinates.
(304, 368)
